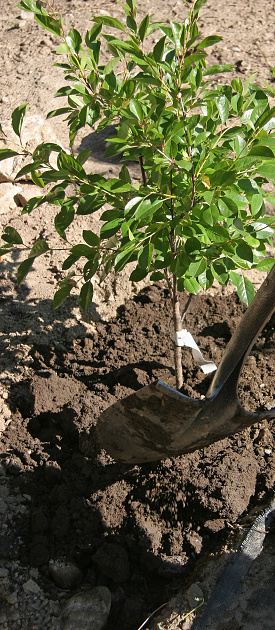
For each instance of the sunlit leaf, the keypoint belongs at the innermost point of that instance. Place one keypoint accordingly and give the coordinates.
(17, 118)
(245, 289)
(23, 269)
(61, 294)
(86, 295)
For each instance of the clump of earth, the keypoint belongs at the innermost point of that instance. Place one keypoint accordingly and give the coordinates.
(74, 523)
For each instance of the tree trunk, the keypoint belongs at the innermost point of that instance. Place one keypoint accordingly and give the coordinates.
(177, 328)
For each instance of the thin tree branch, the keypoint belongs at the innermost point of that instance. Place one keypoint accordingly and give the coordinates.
(143, 174)
(189, 150)
(186, 307)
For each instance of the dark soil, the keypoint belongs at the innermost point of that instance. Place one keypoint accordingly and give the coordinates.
(138, 530)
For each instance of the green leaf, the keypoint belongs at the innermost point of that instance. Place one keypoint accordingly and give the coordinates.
(191, 285)
(37, 180)
(86, 295)
(92, 35)
(11, 236)
(110, 228)
(176, 30)
(143, 28)
(68, 162)
(74, 40)
(63, 49)
(138, 274)
(156, 276)
(225, 208)
(132, 204)
(31, 5)
(23, 269)
(217, 69)
(266, 264)
(63, 219)
(244, 287)
(83, 250)
(54, 26)
(244, 251)
(4, 249)
(17, 118)
(123, 257)
(89, 204)
(35, 202)
(91, 266)
(61, 295)
(71, 260)
(59, 112)
(256, 203)
(83, 156)
(197, 6)
(192, 246)
(91, 238)
(159, 49)
(146, 207)
(145, 256)
(7, 153)
(197, 267)
(136, 109)
(40, 247)
(220, 272)
(208, 41)
(263, 231)
(267, 170)
(110, 21)
(211, 215)
(265, 117)
(124, 175)
(223, 107)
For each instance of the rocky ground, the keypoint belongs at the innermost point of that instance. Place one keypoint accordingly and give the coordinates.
(84, 540)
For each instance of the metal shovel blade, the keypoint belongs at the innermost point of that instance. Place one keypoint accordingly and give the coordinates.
(158, 422)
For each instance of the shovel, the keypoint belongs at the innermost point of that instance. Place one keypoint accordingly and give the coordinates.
(157, 421)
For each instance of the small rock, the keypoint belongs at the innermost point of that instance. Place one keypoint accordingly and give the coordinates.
(31, 587)
(112, 560)
(215, 525)
(8, 191)
(194, 595)
(65, 574)
(26, 193)
(12, 598)
(4, 492)
(3, 507)
(88, 610)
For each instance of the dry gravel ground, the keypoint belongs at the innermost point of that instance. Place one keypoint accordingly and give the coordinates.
(60, 504)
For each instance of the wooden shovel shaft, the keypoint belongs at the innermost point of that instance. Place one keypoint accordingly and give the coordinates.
(253, 321)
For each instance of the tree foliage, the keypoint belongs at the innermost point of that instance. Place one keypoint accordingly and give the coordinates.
(205, 155)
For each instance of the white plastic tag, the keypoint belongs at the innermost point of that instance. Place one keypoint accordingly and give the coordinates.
(184, 338)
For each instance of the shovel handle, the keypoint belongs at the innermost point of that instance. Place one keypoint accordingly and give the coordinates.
(251, 324)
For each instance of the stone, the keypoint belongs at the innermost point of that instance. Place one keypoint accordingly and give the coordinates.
(27, 192)
(12, 598)
(3, 507)
(7, 193)
(194, 595)
(65, 574)
(35, 131)
(87, 610)
(6, 170)
(31, 587)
